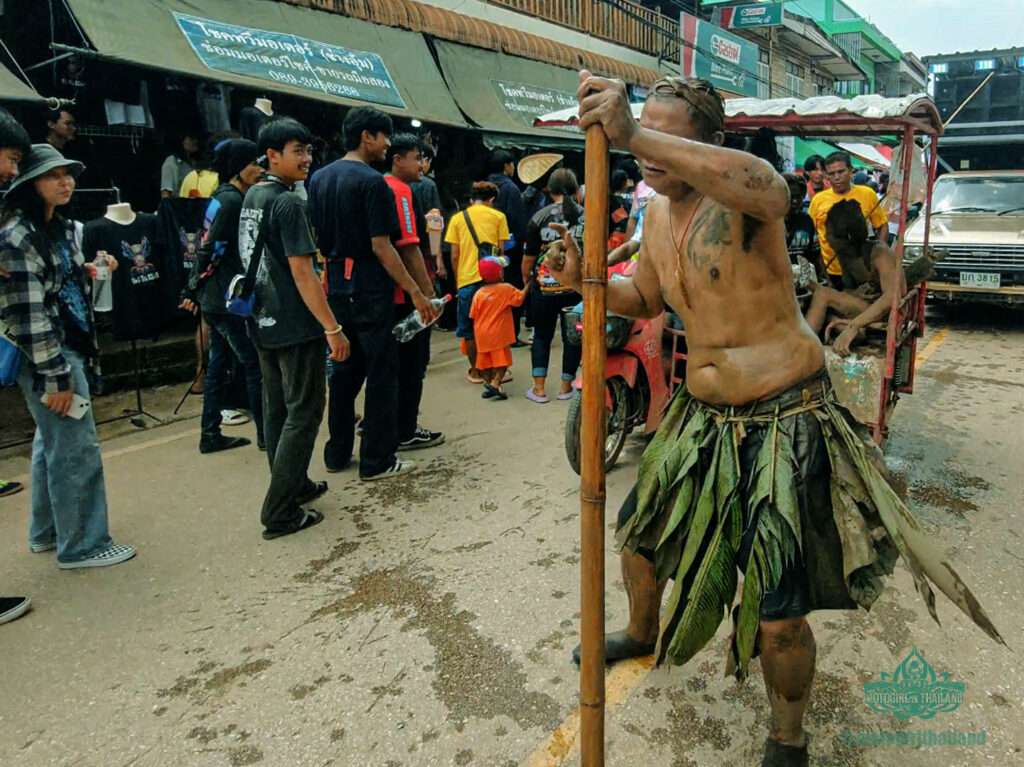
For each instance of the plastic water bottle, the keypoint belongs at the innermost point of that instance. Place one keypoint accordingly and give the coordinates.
(102, 293)
(413, 324)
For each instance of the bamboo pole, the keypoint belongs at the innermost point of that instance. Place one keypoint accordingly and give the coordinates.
(592, 439)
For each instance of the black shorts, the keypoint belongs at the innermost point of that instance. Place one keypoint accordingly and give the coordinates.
(793, 597)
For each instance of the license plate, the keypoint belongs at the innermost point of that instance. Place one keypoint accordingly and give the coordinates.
(979, 279)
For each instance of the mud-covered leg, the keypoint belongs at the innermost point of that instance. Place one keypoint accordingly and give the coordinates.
(787, 659)
(644, 594)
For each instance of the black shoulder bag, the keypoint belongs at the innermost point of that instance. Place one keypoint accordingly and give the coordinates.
(484, 249)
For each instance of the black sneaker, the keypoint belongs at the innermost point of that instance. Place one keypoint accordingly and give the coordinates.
(422, 438)
(13, 607)
(215, 444)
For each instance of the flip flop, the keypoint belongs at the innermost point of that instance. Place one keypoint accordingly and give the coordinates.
(10, 487)
(507, 377)
(474, 379)
(489, 392)
(530, 395)
(309, 518)
(313, 491)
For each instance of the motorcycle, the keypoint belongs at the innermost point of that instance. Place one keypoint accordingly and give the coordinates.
(646, 362)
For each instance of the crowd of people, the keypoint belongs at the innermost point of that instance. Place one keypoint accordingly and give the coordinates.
(335, 261)
(331, 261)
(756, 467)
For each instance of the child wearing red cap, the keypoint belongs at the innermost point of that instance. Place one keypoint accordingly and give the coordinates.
(493, 326)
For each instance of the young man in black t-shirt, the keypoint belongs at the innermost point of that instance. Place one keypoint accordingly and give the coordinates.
(354, 213)
(292, 321)
(217, 262)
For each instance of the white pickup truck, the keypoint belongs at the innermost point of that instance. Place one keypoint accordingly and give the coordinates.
(978, 233)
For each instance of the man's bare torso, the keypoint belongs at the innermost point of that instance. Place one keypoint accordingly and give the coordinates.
(731, 282)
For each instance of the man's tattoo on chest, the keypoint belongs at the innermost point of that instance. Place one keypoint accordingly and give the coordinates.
(712, 233)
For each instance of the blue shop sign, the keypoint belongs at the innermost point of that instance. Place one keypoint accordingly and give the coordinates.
(291, 60)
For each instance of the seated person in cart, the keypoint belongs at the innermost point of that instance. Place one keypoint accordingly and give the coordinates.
(869, 266)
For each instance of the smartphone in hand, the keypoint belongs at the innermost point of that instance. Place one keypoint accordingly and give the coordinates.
(79, 405)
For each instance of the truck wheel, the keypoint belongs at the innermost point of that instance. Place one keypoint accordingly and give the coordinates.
(617, 424)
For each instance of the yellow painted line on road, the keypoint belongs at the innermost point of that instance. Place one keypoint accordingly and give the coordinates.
(563, 743)
(934, 343)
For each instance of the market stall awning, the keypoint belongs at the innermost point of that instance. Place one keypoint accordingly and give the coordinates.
(504, 94)
(13, 88)
(274, 47)
(818, 116)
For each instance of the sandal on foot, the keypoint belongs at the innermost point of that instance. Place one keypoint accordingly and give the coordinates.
(540, 399)
(565, 395)
(618, 646)
(780, 755)
(489, 392)
(10, 487)
(312, 491)
(309, 518)
(474, 379)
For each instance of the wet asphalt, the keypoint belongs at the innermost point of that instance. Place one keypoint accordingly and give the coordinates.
(429, 620)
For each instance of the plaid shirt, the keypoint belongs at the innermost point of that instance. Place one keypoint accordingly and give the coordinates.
(29, 288)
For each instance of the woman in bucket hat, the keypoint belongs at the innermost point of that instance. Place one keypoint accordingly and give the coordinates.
(44, 302)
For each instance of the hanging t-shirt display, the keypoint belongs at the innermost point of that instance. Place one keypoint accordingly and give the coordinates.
(141, 298)
(182, 223)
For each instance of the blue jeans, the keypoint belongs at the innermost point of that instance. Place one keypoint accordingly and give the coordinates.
(228, 334)
(546, 311)
(69, 498)
(464, 329)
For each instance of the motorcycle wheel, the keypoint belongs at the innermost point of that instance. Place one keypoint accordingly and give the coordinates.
(617, 425)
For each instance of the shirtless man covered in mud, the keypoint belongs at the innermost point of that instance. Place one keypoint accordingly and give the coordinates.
(739, 475)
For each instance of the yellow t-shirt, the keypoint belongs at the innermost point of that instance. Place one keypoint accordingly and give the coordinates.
(199, 183)
(490, 225)
(822, 203)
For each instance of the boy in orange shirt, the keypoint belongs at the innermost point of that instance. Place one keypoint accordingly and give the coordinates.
(493, 326)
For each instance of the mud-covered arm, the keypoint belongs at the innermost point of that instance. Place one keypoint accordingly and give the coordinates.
(890, 279)
(736, 179)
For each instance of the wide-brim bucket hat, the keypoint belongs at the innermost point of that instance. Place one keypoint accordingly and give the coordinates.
(41, 159)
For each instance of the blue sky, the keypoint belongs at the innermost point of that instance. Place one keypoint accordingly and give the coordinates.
(945, 26)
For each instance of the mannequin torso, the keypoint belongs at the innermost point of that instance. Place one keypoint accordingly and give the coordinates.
(120, 213)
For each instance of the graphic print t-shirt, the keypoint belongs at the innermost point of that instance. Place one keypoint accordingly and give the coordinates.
(350, 204)
(141, 297)
(182, 222)
(218, 260)
(539, 235)
(282, 318)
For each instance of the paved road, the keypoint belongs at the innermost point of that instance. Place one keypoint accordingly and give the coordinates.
(429, 622)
